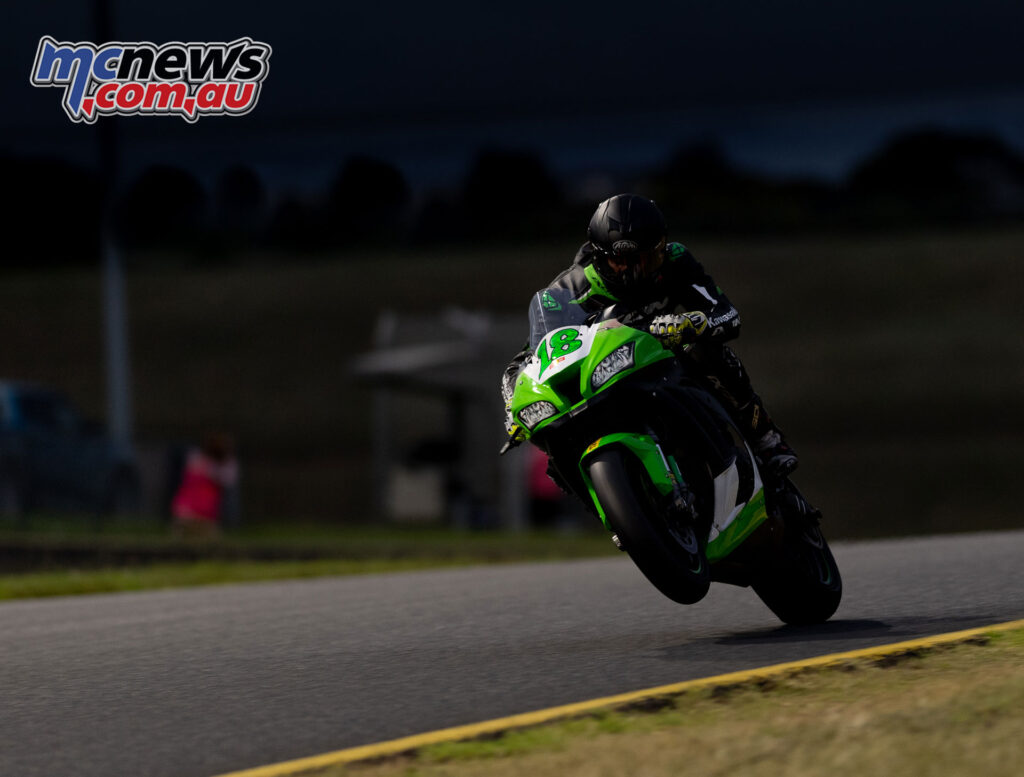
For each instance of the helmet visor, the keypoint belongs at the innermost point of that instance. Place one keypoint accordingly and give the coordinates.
(635, 265)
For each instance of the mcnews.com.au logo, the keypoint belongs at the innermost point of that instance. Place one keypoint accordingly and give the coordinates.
(173, 79)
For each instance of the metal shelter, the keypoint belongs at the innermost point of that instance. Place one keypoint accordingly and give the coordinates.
(437, 417)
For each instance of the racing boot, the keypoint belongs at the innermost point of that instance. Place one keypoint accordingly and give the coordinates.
(775, 456)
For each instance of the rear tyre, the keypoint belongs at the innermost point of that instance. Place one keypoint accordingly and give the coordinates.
(668, 552)
(801, 582)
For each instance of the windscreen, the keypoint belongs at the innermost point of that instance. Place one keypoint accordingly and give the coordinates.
(551, 309)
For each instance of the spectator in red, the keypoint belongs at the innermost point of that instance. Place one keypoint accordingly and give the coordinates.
(547, 500)
(210, 470)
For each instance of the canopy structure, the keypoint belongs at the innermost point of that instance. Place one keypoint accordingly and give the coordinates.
(437, 417)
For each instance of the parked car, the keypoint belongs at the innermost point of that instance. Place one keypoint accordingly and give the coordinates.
(53, 459)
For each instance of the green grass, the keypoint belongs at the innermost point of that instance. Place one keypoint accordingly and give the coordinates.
(941, 711)
(64, 557)
(313, 537)
(158, 576)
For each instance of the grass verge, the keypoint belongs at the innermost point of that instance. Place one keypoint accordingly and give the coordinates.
(945, 710)
(61, 558)
(157, 576)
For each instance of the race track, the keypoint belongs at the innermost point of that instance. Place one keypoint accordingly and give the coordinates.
(197, 682)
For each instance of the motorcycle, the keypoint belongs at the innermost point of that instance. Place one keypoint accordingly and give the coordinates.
(638, 435)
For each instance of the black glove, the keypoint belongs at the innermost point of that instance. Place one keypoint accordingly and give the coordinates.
(675, 329)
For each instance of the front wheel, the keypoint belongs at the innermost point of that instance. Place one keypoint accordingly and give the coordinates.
(667, 551)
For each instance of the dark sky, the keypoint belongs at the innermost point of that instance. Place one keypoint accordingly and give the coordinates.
(392, 67)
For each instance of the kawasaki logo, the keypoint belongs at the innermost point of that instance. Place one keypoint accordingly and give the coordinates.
(549, 302)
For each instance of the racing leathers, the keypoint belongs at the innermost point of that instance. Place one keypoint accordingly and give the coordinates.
(683, 306)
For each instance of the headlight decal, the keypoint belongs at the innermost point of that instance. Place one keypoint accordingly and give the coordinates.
(533, 414)
(611, 365)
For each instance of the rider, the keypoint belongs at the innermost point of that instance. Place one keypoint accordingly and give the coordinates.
(627, 260)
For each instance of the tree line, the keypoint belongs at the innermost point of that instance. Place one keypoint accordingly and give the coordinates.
(916, 179)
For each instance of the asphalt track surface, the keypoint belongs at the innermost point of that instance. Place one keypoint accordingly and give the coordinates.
(196, 682)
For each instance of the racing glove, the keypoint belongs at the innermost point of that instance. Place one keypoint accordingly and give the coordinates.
(516, 433)
(675, 329)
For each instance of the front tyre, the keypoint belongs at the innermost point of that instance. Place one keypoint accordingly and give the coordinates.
(667, 551)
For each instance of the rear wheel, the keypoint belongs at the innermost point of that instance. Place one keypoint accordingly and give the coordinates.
(667, 551)
(801, 582)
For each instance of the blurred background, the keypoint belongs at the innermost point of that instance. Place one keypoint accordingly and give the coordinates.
(331, 285)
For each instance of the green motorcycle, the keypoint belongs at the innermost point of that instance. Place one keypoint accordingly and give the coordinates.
(637, 434)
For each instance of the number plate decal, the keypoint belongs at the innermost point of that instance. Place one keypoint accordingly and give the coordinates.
(560, 349)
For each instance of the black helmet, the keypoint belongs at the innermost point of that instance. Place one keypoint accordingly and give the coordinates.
(628, 234)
